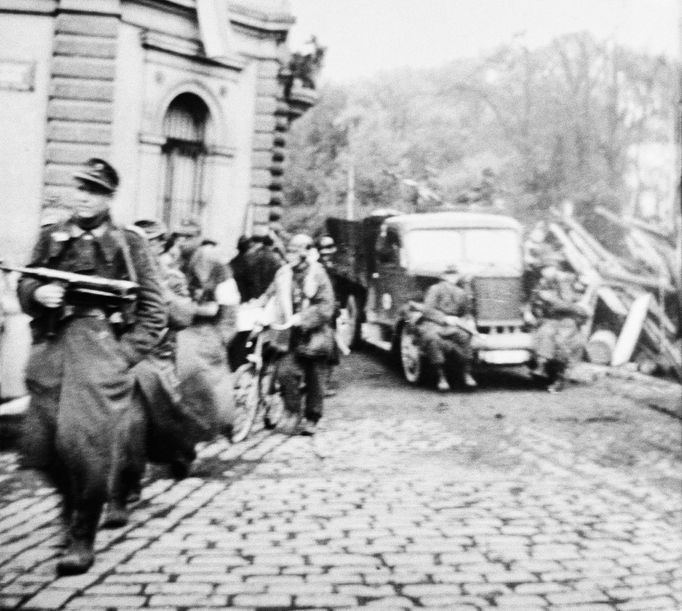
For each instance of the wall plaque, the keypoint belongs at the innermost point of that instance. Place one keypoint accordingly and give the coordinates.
(17, 75)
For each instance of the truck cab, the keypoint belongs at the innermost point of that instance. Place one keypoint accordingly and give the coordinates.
(400, 256)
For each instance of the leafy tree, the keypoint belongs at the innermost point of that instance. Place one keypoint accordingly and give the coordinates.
(554, 122)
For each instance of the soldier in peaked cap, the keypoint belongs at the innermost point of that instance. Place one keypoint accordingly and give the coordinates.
(82, 423)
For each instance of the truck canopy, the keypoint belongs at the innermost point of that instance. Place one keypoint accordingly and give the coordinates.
(453, 220)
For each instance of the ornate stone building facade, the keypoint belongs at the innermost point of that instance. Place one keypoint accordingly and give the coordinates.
(191, 101)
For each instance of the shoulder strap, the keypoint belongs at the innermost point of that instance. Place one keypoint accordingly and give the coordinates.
(122, 241)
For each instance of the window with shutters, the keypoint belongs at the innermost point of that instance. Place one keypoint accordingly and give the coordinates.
(184, 155)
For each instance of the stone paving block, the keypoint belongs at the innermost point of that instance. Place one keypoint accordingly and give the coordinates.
(363, 591)
(275, 579)
(262, 600)
(8, 601)
(456, 577)
(486, 590)
(510, 577)
(647, 591)
(248, 570)
(464, 557)
(470, 603)
(326, 601)
(178, 588)
(347, 577)
(98, 600)
(115, 589)
(431, 589)
(278, 560)
(356, 560)
(649, 604)
(230, 589)
(187, 600)
(18, 589)
(391, 602)
(417, 560)
(520, 601)
(78, 582)
(302, 570)
(300, 588)
(577, 597)
(554, 552)
(540, 588)
(141, 578)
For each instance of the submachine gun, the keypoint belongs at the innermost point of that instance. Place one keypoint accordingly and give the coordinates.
(114, 295)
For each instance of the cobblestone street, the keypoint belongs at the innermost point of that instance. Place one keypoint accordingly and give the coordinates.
(506, 498)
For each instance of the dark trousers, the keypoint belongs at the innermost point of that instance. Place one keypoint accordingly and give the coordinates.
(440, 343)
(292, 372)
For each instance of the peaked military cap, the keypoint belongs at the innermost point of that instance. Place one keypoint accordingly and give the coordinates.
(100, 173)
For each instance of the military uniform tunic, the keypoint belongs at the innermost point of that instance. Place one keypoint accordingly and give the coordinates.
(438, 338)
(81, 423)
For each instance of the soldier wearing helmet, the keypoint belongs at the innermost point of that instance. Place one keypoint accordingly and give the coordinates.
(306, 300)
(326, 247)
(444, 332)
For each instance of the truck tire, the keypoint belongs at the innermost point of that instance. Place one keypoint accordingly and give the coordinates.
(411, 359)
(351, 335)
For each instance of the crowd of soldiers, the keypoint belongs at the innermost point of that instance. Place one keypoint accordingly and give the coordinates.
(115, 384)
(558, 308)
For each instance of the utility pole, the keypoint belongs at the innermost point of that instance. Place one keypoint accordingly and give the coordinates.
(350, 191)
(349, 119)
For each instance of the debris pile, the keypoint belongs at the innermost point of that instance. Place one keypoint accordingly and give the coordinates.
(633, 287)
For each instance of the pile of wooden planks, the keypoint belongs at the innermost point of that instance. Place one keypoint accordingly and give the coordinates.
(635, 311)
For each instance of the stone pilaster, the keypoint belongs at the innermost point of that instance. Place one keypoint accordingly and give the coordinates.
(266, 124)
(81, 98)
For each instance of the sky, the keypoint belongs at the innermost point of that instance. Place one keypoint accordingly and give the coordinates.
(364, 37)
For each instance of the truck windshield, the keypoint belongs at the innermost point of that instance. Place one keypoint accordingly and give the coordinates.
(475, 250)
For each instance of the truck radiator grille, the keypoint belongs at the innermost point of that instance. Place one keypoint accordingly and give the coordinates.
(497, 299)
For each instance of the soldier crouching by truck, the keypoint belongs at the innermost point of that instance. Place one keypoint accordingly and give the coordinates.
(557, 338)
(443, 330)
(81, 422)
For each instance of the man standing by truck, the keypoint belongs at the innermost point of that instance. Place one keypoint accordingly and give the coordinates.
(444, 331)
(306, 302)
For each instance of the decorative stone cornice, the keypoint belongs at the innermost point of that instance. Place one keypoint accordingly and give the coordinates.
(99, 7)
(272, 21)
(300, 99)
(28, 6)
(188, 48)
(221, 151)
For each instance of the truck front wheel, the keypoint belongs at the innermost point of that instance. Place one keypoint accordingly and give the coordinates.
(411, 360)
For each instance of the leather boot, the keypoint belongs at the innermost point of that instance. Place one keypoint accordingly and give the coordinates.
(78, 558)
(116, 515)
(468, 379)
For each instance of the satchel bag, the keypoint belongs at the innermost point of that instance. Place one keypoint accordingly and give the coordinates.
(316, 343)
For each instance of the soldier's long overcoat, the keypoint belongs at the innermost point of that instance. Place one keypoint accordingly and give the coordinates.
(81, 419)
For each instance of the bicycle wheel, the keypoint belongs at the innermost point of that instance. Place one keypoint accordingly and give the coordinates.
(246, 401)
(270, 398)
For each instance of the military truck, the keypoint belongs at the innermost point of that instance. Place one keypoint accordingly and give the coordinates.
(385, 263)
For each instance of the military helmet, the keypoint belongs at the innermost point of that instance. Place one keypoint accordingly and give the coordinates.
(326, 245)
(300, 242)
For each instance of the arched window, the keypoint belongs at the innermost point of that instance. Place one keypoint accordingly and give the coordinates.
(184, 151)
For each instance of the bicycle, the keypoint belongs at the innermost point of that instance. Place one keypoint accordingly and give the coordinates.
(256, 389)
